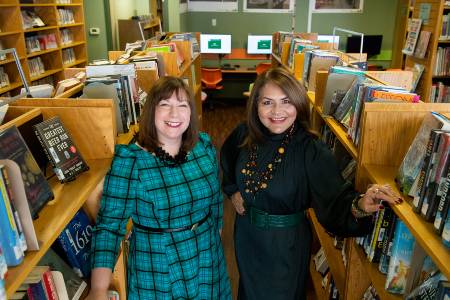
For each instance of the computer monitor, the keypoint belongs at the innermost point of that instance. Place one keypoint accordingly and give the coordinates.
(215, 43)
(371, 45)
(259, 44)
(329, 39)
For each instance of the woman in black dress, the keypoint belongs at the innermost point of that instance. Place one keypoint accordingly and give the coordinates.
(273, 170)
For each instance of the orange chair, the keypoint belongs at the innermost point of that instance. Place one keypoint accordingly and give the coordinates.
(211, 79)
(261, 67)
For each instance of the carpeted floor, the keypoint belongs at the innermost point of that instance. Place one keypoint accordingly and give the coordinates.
(218, 123)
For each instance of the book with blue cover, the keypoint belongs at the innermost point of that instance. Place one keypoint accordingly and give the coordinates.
(9, 235)
(400, 261)
(74, 242)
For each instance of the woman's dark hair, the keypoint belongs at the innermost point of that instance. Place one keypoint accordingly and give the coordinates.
(293, 90)
(163, 89)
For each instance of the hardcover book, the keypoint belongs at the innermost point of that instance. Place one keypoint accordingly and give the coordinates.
(74, 243)
(400, 261)
(413, 159)
(37, 189)
(64, 156)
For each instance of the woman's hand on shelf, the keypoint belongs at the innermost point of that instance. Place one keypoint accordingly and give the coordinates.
(371, 201)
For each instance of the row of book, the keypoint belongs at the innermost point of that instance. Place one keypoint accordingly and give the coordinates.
(40, 42)
(30, 19)
(407, 268)
(327, 283)
(63, 1)
(346, 91)
(2, 56)
(440, 93)
(424, 173)
(68, 56)
(36, 66)
(66, 36)
(445, 31)
(66, 16)
(117, 82)
(4, 79)
(442, 65)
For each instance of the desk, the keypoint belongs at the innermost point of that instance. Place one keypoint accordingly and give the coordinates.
(241, 70)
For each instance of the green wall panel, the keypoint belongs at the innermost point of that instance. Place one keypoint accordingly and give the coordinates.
(97, 45)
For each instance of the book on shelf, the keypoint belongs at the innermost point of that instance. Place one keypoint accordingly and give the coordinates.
(40, 91)
(427, 289)
(69, 285)
(31, 19)
(13, 147)
(73, 244)
(2, 56)
(421, 183)
(412, 37)
(446, 232)
(9, 233)
(443, 291)
(417, 71)
(60, 149)
(20, 203)
(422, 44)
(399, 78)
(436, 179)
(3, 265)
(443, 189)
(6, 189)
(411, 165)
(3, 110)
(65, 85)
(400, 261)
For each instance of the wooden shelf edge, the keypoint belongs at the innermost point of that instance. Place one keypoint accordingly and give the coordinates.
(333, 255)
(341, 134)
(40, 28)
(69, 198)
(70, 92)
(10, 87)
(423, 231)
(70, 25)
(376, 277)
(10, 32)
(316, 279)
(77, 62)
(45, 74)
(33, 54)
(64, 46)
(36, 4)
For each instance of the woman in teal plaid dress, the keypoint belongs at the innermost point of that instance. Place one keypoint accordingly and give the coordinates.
(167, 183)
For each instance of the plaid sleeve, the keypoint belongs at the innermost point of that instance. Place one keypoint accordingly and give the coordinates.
(217, 201)
(116, 205)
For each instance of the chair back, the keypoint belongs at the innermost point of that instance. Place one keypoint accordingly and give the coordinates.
(261, 67)
(211, 78)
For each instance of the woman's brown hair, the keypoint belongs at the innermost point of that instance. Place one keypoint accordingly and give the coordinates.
(163, 89)
(293, 90)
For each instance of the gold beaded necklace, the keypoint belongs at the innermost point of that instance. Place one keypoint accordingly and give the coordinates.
(256, 181)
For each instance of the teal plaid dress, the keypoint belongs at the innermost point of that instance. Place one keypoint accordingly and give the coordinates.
(177, 265)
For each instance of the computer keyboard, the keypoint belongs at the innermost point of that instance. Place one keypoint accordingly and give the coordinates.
(228, 68)
(251, 68)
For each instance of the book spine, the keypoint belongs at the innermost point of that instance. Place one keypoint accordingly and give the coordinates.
(9, 237)
(49, 285)
(375, 233)
(19, 228)
(385, 223)
(44, 146)
(446, 232)
(443, 206)
(424, 173)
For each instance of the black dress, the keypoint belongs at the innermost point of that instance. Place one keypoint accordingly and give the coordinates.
(273, 263)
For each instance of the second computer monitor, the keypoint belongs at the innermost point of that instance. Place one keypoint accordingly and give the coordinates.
(259, 44)
(215, 43)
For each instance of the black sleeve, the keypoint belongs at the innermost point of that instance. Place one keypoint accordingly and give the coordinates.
(228, 158)
(331, 196)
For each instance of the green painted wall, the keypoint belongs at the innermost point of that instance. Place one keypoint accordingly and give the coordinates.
(97, 45)
(378, 18)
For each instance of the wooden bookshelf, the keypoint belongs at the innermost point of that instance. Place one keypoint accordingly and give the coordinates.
(387, 130)
(376, 277)
(12, 35)
(96, 146)
(423, 231)
(434, 25)
(333, 255)
(320, 292)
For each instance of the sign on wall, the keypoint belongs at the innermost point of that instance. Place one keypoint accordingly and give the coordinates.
(337, 6)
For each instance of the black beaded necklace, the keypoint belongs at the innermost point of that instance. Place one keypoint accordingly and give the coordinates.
(169, 160)
(254, 180)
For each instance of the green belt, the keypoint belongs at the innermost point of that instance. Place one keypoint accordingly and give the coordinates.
(260, 218)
